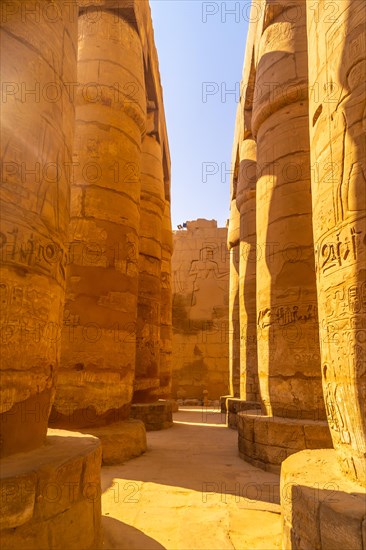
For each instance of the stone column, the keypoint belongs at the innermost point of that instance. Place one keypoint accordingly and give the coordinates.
(38, 46)
(338, 147)
(149, 297)
(243, 285)
(96, 378)
(337, 108)
(165, 368)
(155, 414)
(234, 320)
(246, 203)
(288, 347)
(37, 135)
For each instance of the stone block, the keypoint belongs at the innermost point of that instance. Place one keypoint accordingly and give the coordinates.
(321, 508)
(272, 439)
(54, 505)
(155, 416)
(121, 441)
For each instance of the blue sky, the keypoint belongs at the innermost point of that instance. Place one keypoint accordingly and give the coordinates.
(201, 51)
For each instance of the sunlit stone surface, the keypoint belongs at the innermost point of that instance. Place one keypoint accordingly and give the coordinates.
(98, 346)
(37, 124)
(38, 47)
(200, 267)
(303, 103)
(337, 90)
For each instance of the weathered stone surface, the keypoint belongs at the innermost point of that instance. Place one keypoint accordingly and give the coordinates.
(98, 345)
(337, 91)
(155, 416)
(266, 441)
(288, 347)
(321, 508)
(166, 334)
(234, 323)
(51, 496)
(121, 441)
(200, 269)
(280, 353)
(234, 406)
(149, 285)
(233, 240)
(246, 203)
(223, 402)
(37, 114)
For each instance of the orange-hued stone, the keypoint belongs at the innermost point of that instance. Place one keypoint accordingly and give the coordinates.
(37, 124)
(234, 322)
(200, 269)
(337, 103)
(166, 334)
(96, 378)
(152, 206)
(288, 347)
(233, 239)
(246, 203)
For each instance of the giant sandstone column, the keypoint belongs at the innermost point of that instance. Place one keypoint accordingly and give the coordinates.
(244, 160)
(97, 371)
(38, 46)
(37, 139)
(153, 376)
(337, 108)
(288, 348)
(165, 366)
(337, 70)
(149, 297)
(234, 323)
(246, 203)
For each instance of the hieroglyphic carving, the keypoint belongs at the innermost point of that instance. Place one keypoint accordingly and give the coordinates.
(200, 276)
(102, 284)
(338, 53)
(37, 139)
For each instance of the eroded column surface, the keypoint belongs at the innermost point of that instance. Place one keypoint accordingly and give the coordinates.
(149, 295)
(337, 92)
(234, 318)
(166, 333)
(246, 203)
(95, 383)
(288, 347)
(38, 48)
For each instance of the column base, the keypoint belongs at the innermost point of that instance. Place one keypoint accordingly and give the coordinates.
(155, 416)
(321, 508)
(121, 441)
(175, 406)
(235, 405)
(223, 402)
(266, 441)
(51, 496)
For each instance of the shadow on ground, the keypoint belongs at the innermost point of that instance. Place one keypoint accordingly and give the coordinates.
(117, 534)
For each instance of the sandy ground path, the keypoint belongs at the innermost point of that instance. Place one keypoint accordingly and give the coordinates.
(190, 491)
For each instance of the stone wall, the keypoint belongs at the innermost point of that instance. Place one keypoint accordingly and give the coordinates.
(200, 279)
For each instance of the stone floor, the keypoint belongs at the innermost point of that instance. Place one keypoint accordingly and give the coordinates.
(190, 491)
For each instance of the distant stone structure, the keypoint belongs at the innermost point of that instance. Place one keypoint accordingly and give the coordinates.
(299, 183)
(200, 280)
